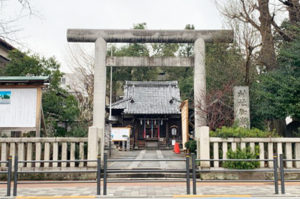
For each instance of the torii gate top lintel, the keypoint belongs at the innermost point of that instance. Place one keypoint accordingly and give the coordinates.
(148, 36)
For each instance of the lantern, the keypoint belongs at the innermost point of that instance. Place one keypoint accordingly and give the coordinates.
(174, 131)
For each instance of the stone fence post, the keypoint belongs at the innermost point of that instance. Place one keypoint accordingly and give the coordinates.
(202, 138)
(93, 145)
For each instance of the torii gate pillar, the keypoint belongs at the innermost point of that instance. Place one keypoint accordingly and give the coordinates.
(200, 112)
(99, 98)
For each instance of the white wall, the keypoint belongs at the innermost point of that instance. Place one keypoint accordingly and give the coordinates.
(21, 112)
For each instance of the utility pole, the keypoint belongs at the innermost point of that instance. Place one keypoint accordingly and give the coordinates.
(110, 87)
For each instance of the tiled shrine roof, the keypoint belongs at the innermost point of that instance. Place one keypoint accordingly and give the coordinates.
(150, 97)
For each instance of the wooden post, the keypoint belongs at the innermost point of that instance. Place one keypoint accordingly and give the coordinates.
(38, 112)
(184, 122)
(167, 133)
(136, 133)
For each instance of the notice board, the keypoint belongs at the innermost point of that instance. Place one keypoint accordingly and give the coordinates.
(18, 107)
(120, 133)
(185, 122)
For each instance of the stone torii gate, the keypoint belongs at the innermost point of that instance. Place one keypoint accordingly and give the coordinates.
(101, 37)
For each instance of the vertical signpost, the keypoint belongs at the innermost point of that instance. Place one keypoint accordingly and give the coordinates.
(185, 122)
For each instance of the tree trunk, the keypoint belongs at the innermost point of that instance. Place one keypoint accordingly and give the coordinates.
(249, 52)
(267, 53)
(293, 7)
(279, 126)
(247, 69)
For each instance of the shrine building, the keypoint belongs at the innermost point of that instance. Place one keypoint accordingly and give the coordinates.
(152, 110)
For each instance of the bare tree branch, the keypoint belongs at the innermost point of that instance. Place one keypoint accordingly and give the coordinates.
(282, 33)
(247, 17)
(293, 8)
(81, 63)
(8, 26)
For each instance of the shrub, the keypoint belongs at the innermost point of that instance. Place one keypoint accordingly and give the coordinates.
(242, 154)
(239, 132)
(191, 146)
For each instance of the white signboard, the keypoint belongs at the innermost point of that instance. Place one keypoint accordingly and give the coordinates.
(18, 107)
(120, 134)
(173, 142)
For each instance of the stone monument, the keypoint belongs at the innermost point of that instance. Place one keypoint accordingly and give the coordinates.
(241, 106)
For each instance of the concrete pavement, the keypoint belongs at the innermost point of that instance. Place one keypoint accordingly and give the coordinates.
(152, 190)
(120, 188)
(147, 154)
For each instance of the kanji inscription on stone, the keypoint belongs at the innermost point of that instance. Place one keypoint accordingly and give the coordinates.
(241, 106)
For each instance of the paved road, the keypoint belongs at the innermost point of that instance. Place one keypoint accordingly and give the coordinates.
(152, 190)
(147, 154)
(202, 197)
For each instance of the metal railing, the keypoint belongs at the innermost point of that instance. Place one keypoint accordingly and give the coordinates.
(106, 170)
(8, 171)
(274, 170)
(283, 171)
(186, 171)
(16, 171)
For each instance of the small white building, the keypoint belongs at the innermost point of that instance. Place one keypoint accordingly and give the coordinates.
(21, 104)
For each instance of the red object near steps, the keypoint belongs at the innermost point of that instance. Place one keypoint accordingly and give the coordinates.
(176, 148)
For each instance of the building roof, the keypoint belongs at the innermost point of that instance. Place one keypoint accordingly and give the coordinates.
(150, 97)
(5, 47)
(6, 44)
(23, 79)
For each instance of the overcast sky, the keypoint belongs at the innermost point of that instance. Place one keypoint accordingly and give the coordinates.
(44, 32)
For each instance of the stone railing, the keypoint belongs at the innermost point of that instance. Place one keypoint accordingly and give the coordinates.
(216, 148)
(56, 148)
(268, 147)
